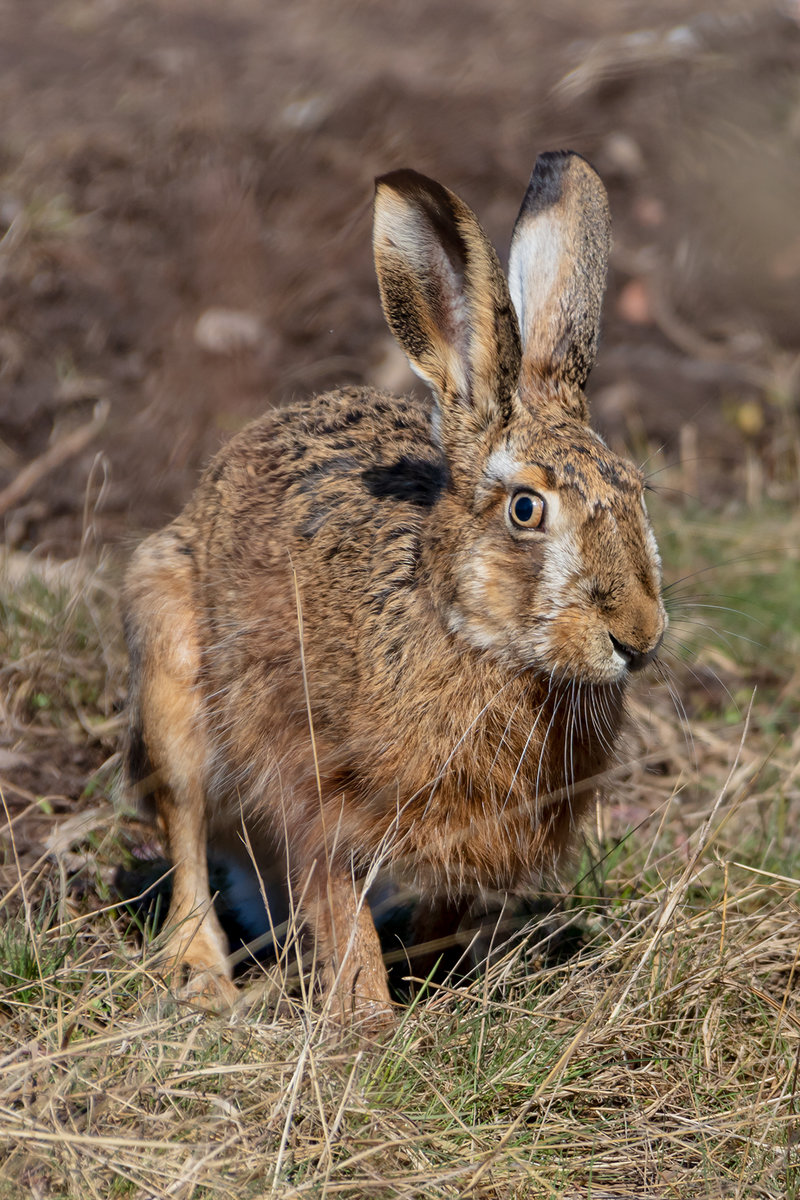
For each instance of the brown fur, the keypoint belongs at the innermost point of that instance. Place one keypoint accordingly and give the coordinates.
(345, 642)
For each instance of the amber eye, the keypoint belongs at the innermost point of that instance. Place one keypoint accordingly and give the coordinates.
(526, 510)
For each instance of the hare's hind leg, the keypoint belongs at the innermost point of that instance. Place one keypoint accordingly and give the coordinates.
(167, 755)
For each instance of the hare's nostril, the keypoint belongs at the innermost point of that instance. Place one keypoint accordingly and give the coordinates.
(635, 660)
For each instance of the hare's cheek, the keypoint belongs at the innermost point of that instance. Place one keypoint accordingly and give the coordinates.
(492, 601)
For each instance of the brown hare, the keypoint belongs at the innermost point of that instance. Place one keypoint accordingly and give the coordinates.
(401, 629)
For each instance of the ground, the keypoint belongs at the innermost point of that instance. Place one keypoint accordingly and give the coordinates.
(185, 194)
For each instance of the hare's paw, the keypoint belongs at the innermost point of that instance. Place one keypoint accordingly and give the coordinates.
(194, 959)
(374, 1020)
(360, 1001)
(367, 1018)
(209, 991)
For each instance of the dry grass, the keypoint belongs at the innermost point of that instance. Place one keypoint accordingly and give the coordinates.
(659, 1059)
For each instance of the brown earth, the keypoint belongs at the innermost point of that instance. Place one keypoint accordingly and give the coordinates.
(163, 160)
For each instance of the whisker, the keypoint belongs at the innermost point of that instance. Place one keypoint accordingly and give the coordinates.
(544, 740)
(522, 757)
(680, 709)
(569, 732)
(721, 634)
(739, 612)
(503, 737)
(729, 562)
(441, 772)
(715, 675)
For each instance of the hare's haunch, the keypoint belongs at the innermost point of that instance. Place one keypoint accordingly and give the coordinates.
(397, 629)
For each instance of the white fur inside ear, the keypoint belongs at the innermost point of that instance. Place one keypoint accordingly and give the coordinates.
(534, 266)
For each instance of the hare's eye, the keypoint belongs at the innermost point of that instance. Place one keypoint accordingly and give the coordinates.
(526, 510)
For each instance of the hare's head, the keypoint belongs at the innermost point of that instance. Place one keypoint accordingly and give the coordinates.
(539, 550)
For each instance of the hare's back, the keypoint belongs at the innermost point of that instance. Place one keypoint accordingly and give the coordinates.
(338, 454)
(312, 490)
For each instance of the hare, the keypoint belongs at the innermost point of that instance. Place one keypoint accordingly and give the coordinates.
(401, 629)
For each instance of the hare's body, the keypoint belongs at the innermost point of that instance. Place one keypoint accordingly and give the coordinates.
(364, 640)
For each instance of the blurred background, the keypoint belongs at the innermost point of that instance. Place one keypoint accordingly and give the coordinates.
(185, 195)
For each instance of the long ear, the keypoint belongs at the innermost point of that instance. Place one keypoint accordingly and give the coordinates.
(446, 301)
(557, 267)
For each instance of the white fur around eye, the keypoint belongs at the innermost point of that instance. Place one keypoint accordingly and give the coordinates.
(553, 503)
(563, 563)
(502, 466)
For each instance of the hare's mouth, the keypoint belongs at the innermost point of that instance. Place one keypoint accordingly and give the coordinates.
(630, 658)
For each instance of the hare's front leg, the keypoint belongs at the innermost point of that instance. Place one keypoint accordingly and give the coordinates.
(195, 939)
(168, 742)
(354, 978)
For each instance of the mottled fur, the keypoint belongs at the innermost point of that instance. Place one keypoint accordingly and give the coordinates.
(347, 569)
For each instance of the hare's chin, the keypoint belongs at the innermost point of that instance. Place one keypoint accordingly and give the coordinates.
(619, 665)
(613, 669)
(595, 672)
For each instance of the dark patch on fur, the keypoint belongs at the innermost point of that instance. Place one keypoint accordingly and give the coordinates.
(394, 652)
(339, 422)
(544, 189)
(415, 480)
(376, 604)
(399, 531)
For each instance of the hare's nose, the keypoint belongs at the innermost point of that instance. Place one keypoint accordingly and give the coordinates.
(635, 660)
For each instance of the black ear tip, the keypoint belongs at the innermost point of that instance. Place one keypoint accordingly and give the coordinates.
(558, 162)
(550, 159)
(547, 178)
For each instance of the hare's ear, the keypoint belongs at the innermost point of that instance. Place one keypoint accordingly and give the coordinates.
(446, 301)
(557, 267)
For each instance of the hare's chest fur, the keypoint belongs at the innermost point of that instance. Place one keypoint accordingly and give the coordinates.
(488, 798)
